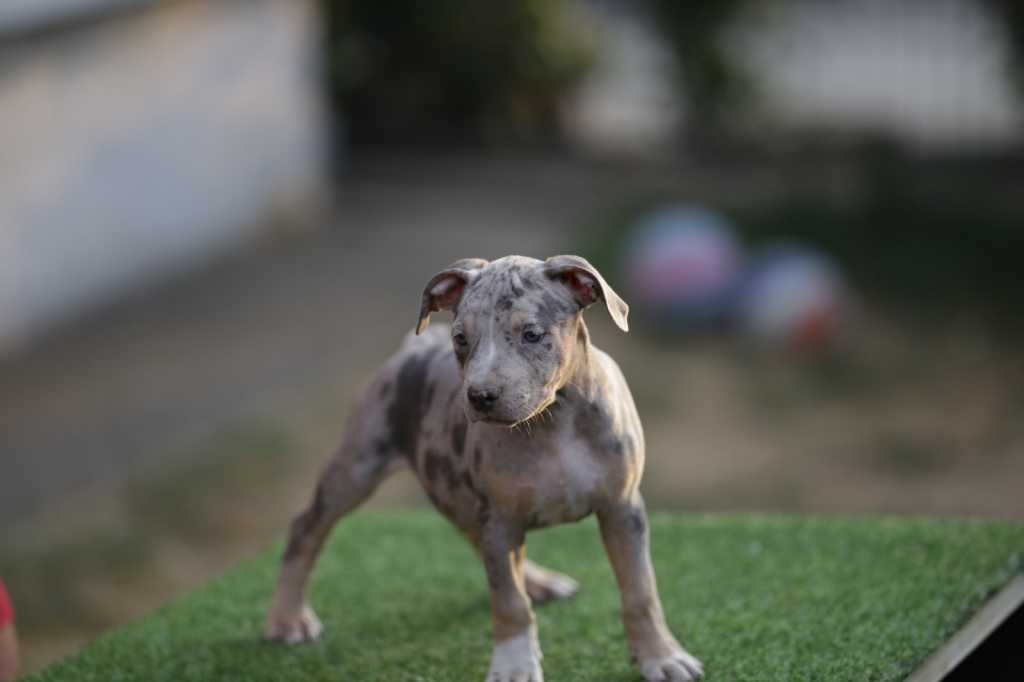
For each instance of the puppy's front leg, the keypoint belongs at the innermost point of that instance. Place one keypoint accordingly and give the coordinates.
(626, 539)
(516, 656)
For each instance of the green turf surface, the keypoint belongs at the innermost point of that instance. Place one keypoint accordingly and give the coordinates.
(403, 599)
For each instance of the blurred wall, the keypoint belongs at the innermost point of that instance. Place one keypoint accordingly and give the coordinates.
(933, 73)
(934, 76)
(142, 141)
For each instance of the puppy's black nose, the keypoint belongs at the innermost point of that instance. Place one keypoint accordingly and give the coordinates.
(482, 399)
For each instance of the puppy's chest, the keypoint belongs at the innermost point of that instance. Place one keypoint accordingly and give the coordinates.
(557, 482)
(571, 487)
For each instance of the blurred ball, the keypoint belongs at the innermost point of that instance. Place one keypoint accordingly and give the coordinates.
(792, 297)
(681, 266)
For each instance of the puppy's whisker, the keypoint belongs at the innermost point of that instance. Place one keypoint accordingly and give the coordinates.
(537, 417)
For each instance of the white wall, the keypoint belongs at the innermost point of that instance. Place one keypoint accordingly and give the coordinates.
(20, 15)
(139, 145)
(931, 72)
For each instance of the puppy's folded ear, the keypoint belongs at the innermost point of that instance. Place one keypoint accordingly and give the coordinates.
(586, 286)
(444, 289)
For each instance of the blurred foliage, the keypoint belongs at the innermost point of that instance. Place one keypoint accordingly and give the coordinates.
(402, 71)
(710, 76)
(458, 71)
(1010, 13)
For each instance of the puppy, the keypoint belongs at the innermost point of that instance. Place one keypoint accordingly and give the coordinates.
(512, 421)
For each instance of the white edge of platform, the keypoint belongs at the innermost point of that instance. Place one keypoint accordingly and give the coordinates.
(981, 625)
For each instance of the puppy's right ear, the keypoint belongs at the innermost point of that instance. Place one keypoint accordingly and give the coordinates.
(444, 289)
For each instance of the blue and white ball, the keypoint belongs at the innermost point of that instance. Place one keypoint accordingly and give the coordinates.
(681, 266)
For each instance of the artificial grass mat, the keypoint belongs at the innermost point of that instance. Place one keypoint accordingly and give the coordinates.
(403, 599)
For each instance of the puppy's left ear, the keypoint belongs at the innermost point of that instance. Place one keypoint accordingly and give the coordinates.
(444, 289)
(587, 285)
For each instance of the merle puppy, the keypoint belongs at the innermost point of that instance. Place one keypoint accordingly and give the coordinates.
(512, 421)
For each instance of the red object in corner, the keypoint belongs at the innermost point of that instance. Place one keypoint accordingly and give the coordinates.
(6, 609)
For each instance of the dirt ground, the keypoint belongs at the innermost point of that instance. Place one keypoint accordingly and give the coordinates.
(153, 446)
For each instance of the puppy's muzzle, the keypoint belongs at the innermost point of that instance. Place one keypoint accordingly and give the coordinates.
(484, 399)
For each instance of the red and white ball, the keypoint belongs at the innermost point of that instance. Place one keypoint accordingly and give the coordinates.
(792, 297)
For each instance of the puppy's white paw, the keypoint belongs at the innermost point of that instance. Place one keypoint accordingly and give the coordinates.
(516, 660)
(293, 628)
(678, 666)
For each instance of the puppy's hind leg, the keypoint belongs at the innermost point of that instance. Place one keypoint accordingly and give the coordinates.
(360, 464)
(544, 585)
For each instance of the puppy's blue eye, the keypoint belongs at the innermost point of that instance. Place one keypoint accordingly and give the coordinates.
(531, 336)
(460, 340)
